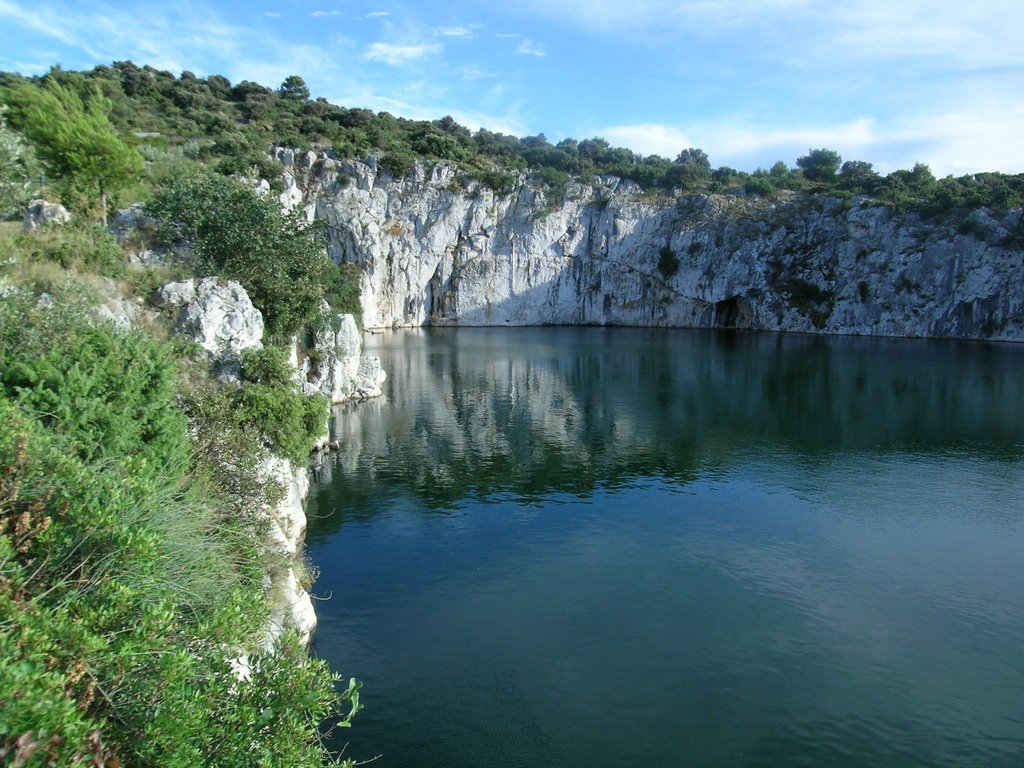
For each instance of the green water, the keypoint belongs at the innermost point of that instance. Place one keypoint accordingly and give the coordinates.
(625, 547)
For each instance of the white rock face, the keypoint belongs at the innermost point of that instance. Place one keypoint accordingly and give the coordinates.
(41, 213)
(336, 367)
(290, 604)
(216, 314)
(438, 249)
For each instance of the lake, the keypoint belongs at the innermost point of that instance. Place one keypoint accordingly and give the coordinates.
(623, 547)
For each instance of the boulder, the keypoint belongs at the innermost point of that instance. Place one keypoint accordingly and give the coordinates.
(218, 315)
(41, 214)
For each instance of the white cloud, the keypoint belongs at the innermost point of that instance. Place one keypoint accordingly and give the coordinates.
(648, 139)
(977, 34)
(44, 19)
(475, 73)
(399, 54)
(455, 31)
(325, 14)
(377, 15)
(530, 48)
(976, 136)
(272, 14)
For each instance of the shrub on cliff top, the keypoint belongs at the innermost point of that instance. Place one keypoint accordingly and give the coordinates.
(279, 258)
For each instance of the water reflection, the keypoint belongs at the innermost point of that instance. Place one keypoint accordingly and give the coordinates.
(482, 411)
(608, 547)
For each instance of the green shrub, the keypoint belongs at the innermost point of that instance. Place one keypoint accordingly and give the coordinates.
(126, 587)
(343, 293)
(500, 181)
(78, 246)
(107, 393)
(270, 402)
(279, 259)
(668, 263)
(759, 185)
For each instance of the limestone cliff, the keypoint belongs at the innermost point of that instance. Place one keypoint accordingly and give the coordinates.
(219, 316)
(439, 249)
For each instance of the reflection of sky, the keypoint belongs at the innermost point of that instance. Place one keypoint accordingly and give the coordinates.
(774, 608)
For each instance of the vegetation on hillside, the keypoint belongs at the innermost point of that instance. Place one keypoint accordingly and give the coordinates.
(233, 232)
(230, 126)
(133, 494)
(131, 567)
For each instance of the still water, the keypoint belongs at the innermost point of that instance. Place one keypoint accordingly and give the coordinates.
(625, 547)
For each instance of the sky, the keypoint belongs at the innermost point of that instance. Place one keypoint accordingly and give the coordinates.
(751, 82)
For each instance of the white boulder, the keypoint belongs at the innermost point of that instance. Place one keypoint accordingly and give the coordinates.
(218, 315)
(41, 213)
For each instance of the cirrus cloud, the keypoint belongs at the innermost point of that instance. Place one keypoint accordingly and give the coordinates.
(396, 55)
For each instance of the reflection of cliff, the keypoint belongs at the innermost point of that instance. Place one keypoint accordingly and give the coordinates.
(537, 410)
(439, 249)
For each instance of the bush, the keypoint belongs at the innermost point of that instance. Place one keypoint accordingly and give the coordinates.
(344, 293)
(270, 401)
(107, 393)
(78, 246)
(668, 263)
(126, 590)
(279, 259)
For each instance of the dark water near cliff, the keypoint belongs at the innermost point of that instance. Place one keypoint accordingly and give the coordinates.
(619, 547)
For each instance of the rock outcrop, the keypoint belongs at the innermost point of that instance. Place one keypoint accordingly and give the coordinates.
(217, 315)
(220, 317)
(41, 213)
(437, 248)
(290, 604)
(335, 367)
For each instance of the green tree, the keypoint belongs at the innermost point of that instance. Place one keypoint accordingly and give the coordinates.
(294, 87)
(691, 169)
(236, 234)
(820, 164)
(858, 175)
(75, 139)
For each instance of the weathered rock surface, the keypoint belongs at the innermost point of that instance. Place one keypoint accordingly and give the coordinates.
(135, 231)
(436, 248)
(41, 213)
(216, 314)
(290, 604)
(335, 366)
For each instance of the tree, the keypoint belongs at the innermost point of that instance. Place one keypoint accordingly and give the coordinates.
(294, 87)
(278, 258)
(691, 169)
(857, 173)
(75, 139)
(820, 164)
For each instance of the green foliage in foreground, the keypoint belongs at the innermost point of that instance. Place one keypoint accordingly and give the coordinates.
(126, 587)
(278, 258)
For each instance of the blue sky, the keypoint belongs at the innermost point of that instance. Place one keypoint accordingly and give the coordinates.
(892, 82)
